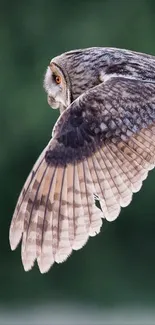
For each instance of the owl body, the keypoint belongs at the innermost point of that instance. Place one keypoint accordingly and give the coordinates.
(102, 147)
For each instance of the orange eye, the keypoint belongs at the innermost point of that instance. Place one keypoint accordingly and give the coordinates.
(58, 79)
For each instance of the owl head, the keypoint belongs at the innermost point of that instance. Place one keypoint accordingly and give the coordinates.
(57, 87)
(71, 74)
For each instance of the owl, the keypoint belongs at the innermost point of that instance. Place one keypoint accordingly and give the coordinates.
(102, 148)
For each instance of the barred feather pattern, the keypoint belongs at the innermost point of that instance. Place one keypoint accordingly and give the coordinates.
(103, 146)
(61, 214)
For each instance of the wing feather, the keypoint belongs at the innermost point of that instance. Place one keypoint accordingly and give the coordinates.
(103, 146)
(64, 247)
(32, 204)
(81, 233)
(108, 201)
(119, 178)
(16, 227)
(44, 236)
(84, 196)
(94, 213)
(70, 203)
(93, 168)
(136, 172)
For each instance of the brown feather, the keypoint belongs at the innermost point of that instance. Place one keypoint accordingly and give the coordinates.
(64, 247)
(32, 204)
(128, 167)
(17, 223)
(44, 250)
(70, 203)
(107, 199)
(119, 179)
(81, 233)
(84, 199)
(94, 213)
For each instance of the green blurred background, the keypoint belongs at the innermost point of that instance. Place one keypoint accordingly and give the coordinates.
(116, 268)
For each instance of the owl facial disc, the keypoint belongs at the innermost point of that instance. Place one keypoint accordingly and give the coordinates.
(56, 88)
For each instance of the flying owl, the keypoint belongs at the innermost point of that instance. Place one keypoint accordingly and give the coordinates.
(102, 147)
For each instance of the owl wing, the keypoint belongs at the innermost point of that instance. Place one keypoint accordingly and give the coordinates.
(102, 147)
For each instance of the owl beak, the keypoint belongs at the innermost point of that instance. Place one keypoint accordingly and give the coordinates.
(51, 101)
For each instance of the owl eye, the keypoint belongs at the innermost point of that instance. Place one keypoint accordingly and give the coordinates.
(57, 79)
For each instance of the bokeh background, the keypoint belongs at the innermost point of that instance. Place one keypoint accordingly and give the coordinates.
(112, 279)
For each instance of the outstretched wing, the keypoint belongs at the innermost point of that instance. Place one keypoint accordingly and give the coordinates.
(103, 145)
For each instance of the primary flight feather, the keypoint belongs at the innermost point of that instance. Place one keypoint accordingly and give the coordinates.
(102, 146)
